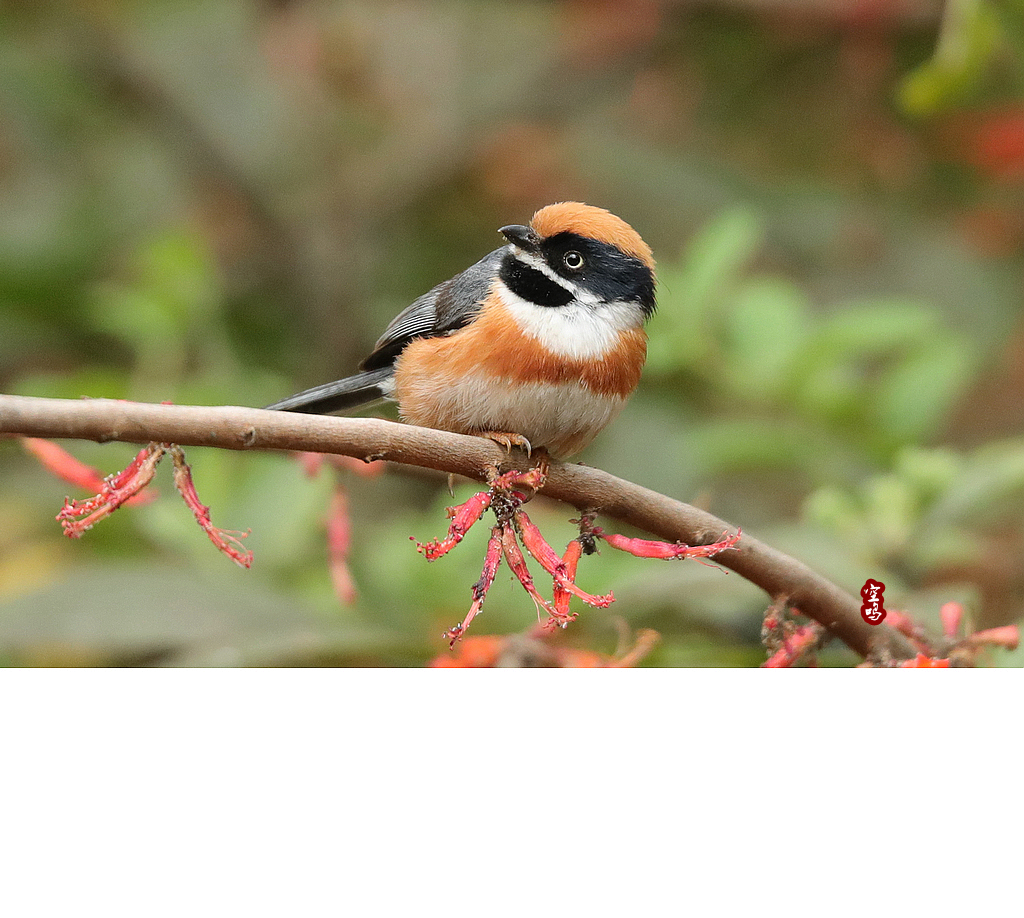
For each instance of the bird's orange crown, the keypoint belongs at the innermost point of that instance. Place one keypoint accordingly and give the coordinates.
(593, 222)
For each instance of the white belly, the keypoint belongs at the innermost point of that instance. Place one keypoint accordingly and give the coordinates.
(563, 417)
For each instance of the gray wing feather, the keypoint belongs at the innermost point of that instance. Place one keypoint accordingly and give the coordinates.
(352, 392)
(448, 307)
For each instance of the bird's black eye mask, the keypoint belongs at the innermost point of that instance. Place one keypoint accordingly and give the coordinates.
(532, 285)
(605, 270)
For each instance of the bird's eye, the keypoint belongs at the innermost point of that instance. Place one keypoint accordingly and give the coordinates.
(573, 260)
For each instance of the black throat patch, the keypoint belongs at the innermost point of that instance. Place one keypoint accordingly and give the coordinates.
(531, 285)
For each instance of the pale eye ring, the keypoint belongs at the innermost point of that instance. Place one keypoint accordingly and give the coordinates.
(573, 260)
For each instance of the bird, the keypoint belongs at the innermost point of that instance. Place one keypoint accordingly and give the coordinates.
(537, 345)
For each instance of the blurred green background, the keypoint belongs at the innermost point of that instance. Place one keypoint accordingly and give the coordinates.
(223, 202)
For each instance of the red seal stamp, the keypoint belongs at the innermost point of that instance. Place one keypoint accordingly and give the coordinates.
(872, 610)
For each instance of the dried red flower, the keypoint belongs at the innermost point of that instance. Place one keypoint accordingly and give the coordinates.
(77, 517)
(228, 541)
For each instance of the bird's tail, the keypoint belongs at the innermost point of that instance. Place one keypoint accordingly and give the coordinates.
(344, 394)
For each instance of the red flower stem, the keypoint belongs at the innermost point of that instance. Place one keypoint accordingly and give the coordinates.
(666, 551)
(227, 541)
(549, 559)
(492, 560)
(463, 517)
(516, 561)
(646, 638)
(799, 643)
(117, 490)
(571, 560)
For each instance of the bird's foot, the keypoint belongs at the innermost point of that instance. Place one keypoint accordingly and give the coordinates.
(508, 439)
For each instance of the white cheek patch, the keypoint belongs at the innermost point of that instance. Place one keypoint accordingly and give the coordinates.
(577, 330)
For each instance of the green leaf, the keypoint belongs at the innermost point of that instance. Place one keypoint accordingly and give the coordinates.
(836, 373)
(871, 327)
(717, 255)
(765, 329)
(835, 510)
(967, 42)
(138, 612)
(915, 395)
(988, 487)
(891, 511)
(929, 471)
(173, 292)
(693, 293)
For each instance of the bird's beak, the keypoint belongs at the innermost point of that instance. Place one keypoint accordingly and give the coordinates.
(521, 237)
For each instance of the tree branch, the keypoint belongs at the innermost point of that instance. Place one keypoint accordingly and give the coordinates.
(585, 488)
